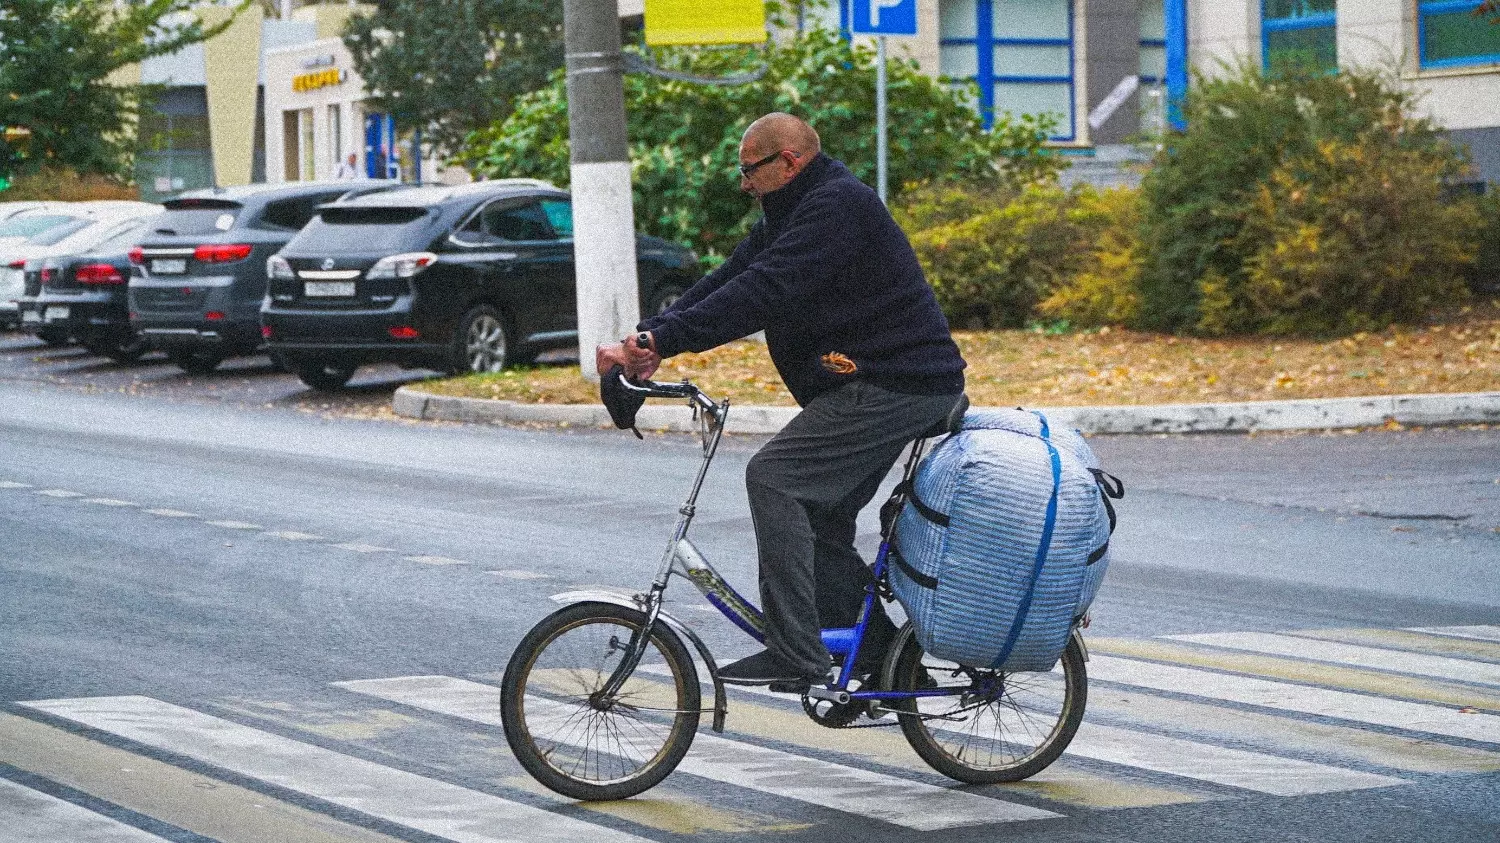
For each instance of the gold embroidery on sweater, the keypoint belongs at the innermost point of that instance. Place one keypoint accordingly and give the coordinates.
(838, 363)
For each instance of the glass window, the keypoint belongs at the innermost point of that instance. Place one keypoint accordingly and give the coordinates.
(30, 225)
(129, 235)
(560, 214)
(1153, 52)
(365, 230)
(196, 216)
(1019, 51)
(295, 212)
(1300, 34)
(56, 234)
(527, 222)
(1450, 34)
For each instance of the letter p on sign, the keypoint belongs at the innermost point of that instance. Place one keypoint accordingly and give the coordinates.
(884, 17)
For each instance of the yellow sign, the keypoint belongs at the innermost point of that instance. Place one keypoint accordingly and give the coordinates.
(698, 22)
(318, 79)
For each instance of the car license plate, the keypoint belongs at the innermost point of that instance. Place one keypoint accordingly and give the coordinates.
(329, 288)
(169, 266)
(56, 313)
(31, 316)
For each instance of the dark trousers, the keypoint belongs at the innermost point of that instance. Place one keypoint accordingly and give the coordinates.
(807, 486)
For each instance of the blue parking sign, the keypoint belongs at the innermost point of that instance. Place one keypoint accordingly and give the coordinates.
(883, 17)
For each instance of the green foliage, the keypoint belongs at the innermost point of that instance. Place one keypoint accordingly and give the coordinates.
(1484, 276)
(992, 267)
(684, 137)
(67, 186)
(1264, 181)
(453, 66)
(55, 57)
(1105, 288)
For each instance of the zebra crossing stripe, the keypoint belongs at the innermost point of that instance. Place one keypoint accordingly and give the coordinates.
(1480, 633)
(902, 802)
(427, 805)
(1440, 667)
(1322, 702)
(1239, 768)
(40, 818)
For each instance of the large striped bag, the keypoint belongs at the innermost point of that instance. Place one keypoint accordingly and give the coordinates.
(1003, 541)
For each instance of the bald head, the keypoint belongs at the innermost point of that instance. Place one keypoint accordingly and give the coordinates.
(779, 130)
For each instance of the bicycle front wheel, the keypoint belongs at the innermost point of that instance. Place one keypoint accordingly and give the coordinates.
(572, 737)
(993, 726)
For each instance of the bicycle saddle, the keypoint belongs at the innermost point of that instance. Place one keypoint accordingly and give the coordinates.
(952, 423)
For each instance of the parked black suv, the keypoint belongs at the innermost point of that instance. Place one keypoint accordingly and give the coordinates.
(84, 295)
(200, 272)
(469, 278)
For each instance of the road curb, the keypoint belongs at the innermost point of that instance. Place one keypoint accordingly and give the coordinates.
(1242, 417)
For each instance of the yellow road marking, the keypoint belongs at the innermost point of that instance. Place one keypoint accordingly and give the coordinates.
(200, 804)
(1293, 670)
(672, 812)
(1417, 642)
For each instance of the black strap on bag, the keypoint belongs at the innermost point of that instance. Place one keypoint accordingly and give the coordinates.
(909, 489)
(1110, 486)
(913, 574)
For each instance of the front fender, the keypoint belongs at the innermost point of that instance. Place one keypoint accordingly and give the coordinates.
(721, 703)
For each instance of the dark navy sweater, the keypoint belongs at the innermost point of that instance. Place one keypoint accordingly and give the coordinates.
(834, 283)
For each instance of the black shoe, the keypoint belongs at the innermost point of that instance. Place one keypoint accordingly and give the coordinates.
(879, 634)
(764, 668)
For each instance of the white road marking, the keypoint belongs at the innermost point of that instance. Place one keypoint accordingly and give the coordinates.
(59, 493)
(1321, 702)
(11, 484)
(234, 525)
(171, 513)
(894, 800)
(1240, 768)
(435, 560)
(364, 548)
(519, 574)
(427, 805)
(293, 536)
(109, 502)
(36, 817)
(1441, 667)
(1482, 633)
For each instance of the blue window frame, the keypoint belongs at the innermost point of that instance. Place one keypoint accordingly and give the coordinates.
(1020, 52)
(1300, 33)
(1449, 35)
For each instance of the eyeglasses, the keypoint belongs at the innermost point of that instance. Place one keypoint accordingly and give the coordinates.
(747, 169)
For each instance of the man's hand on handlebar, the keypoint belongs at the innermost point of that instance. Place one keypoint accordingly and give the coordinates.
(634, 353)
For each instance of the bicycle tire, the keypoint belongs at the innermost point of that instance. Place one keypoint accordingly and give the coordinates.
(1005, 727)
(591, 750)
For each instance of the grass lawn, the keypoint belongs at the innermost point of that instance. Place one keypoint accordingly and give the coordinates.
(1454, 352)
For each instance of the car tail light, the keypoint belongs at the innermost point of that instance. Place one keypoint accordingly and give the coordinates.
(265, 332)
(46, 274)
(214, 315)
(214, 253)
(401, 266)
(16, 265)
(93, 273)
(404, 332)
(137, 255)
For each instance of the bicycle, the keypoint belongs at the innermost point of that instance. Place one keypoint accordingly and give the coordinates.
(601, 699)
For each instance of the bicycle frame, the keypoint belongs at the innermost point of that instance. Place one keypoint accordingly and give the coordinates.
(682, 557)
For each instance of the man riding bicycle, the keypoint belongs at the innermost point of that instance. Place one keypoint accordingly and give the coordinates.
(856, 334)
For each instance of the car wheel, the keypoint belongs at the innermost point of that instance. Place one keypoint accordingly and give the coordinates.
(483, 343)
(325, 377)
(663, 297)
(197, 361)
(54, 337)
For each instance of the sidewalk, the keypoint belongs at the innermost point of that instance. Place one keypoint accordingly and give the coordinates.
(1302, 414)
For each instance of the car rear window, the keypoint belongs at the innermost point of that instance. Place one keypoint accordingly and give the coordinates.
(53, 235)
(197, 216)
(363, 230)
(29, 225)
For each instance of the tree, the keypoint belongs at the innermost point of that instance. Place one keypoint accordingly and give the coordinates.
(684, 136)
(451, 66)
(55, 60)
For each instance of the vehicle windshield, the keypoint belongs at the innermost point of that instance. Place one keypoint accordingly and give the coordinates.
(343, 230)
(59, 233)
(30, 225)
(189, 217)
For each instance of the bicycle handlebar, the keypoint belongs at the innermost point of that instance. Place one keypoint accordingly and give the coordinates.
(685, 389)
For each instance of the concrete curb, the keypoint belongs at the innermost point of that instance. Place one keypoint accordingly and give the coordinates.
(1300, 414)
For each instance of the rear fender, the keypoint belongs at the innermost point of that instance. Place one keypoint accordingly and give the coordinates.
(721, 704)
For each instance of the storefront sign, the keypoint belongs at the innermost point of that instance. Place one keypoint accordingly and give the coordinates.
(318, 79)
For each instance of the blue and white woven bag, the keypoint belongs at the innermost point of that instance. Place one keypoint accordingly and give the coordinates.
(1003, 542)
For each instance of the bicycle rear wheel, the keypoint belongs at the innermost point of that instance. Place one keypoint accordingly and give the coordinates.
(996, 727)
(578, 742)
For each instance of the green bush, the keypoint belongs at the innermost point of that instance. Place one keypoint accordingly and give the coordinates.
(994, 258)
(1259, 218)
(1484, 275)
(1106, 288)
(684, 137)
(66, 186)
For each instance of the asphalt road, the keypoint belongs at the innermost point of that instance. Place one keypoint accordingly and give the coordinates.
(190, 564)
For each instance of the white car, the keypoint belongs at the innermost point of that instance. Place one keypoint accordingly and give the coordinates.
(75, 227)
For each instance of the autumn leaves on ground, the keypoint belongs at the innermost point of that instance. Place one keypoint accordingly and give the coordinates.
(1459, 352)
